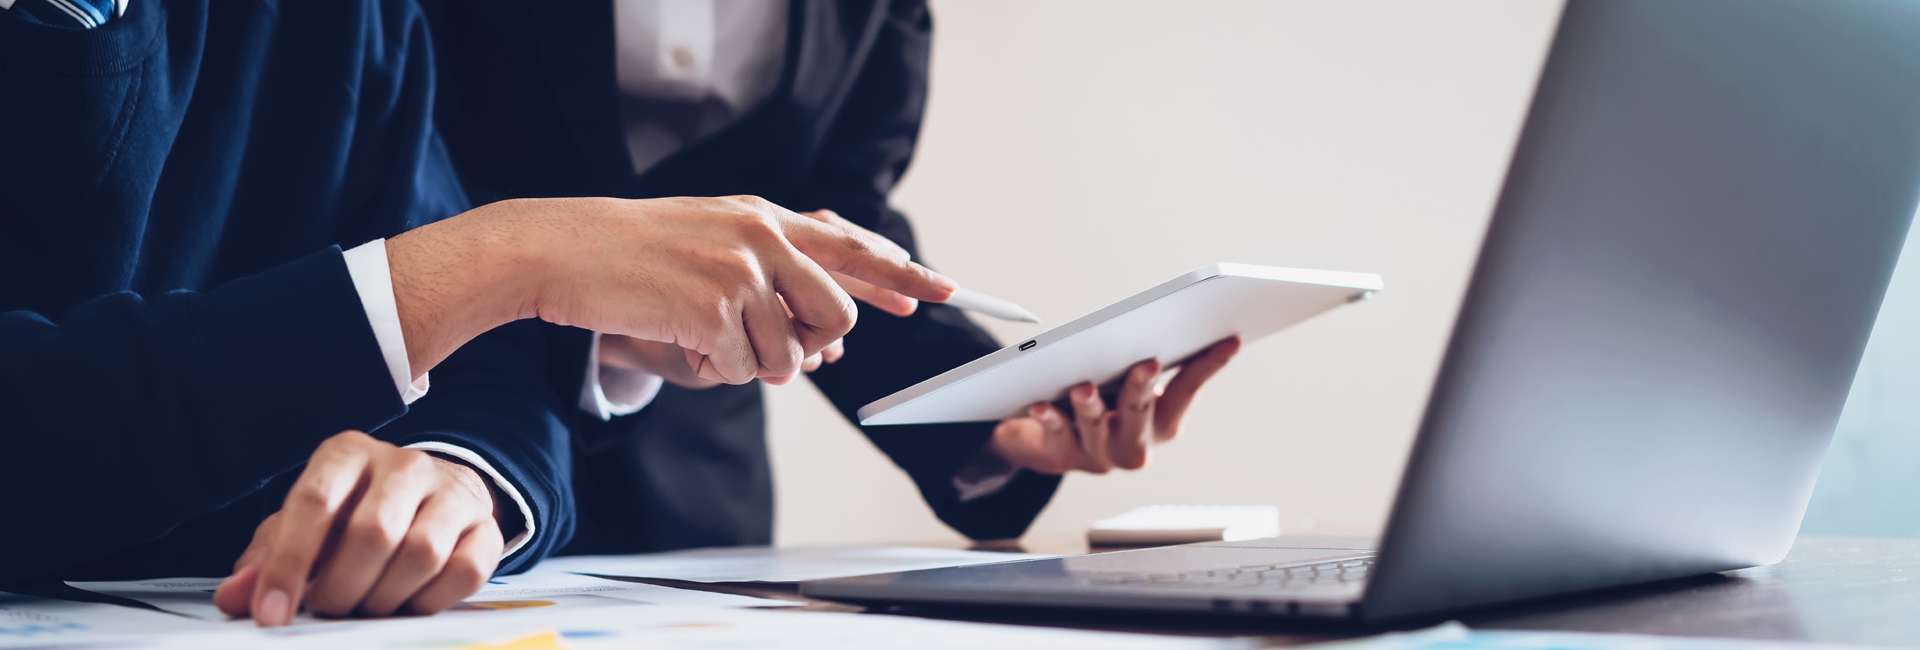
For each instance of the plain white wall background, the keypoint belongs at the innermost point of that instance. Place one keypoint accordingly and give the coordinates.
(1077, 151)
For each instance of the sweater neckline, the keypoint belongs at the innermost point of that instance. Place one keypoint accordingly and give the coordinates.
(112, 48)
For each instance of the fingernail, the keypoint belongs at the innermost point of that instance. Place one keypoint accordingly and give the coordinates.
(943, 281)
(1082, 393)
(275, 610)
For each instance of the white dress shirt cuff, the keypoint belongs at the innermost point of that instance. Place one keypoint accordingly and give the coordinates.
(472, 459)
(609, 391)
(373, 280)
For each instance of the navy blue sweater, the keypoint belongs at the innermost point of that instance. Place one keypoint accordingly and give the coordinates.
(179, 329)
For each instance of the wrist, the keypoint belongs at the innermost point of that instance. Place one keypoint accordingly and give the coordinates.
(476, 485)
(463, 475)
(454, 280)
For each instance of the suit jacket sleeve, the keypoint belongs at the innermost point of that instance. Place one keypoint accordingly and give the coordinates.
(132, 414)
(866, 151)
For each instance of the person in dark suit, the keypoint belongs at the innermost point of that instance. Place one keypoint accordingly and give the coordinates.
(188, 355)
(815, 105)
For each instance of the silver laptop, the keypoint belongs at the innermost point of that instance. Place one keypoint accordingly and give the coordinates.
(1688, 254)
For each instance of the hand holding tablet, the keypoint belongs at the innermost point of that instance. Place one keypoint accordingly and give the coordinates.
(1166, 324)
(1096, 432)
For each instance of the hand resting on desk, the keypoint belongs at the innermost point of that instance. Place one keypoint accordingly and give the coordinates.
(369, 529)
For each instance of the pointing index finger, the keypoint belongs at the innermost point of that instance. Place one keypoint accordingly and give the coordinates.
(842, 247)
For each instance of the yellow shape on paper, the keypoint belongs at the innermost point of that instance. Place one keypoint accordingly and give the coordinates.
(548, 640)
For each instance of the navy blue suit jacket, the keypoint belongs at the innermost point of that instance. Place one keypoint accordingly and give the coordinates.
(179, 330)
(529, 109)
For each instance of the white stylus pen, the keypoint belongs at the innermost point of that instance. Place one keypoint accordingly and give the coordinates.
(981, 303)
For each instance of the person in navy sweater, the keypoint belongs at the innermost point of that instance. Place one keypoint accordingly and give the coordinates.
(181, 329)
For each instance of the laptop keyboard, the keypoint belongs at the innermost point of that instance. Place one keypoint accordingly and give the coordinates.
(1332, 575)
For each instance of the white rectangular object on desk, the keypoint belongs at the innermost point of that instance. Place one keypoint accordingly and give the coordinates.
(1170, 322)
(1185, 524)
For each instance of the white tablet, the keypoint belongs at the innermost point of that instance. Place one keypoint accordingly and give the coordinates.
(1170, 322)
